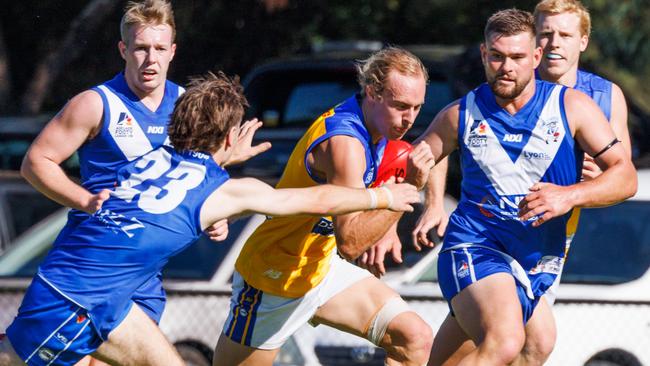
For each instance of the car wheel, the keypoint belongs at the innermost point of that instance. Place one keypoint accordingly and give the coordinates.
(613, 357)
(192, 355)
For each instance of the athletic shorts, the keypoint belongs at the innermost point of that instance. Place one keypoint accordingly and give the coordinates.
(51, 329)
(266, 321)
(464, 264)
(151, 297)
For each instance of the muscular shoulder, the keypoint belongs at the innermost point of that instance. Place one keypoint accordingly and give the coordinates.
(84, 110)
(578, 106)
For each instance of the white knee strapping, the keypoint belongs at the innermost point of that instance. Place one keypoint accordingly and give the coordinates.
(388, 312)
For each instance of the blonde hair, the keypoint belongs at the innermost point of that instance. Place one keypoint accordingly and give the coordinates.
(374, 70)
(566, 6)
(147, 12)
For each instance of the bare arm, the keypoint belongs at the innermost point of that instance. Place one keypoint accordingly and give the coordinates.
(618, 123)
(341, 160)
(248, 195)
(61, 137)
(441, 136)
(594, 134)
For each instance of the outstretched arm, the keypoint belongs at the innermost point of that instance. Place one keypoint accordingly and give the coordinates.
(248, 195)
(61, 137)
(593, 133)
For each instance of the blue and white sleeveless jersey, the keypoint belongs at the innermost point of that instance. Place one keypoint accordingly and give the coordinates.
(502, 156)
(153, 214)
(129, 130)
(598, 88)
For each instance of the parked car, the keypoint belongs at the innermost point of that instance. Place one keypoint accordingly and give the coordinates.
(602, 309)
(20, 207)
(289, 93)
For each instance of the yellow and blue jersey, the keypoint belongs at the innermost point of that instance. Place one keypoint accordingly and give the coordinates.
(288, 256)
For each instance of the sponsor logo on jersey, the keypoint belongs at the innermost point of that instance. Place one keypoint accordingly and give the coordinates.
(61, 338)
(323, 227)
(81, 318)
(124, 126)
(477, 134)
(200, 155)
(509, 137)
(368, 179)
(548, 264)
(534, 155)
(551, 130)
(118, 222)
(463, 270)
(272, 274)
(45, 354)
(157, 130)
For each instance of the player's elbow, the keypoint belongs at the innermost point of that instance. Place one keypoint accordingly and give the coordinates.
(347, 249)
(26, 167)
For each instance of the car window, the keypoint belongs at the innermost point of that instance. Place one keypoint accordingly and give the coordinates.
(202, 259)
(27, 208)
(308, 100)
(612, 245)
(438, 95)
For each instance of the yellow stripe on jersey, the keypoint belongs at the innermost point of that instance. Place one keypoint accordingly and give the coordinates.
(571, 228)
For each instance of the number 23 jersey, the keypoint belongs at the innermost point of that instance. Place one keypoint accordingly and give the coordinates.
(153, 214)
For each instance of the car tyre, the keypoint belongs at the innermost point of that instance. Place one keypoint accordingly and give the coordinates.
(613, 357)
(193, 356)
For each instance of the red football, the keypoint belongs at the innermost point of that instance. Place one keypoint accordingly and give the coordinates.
(393, 163)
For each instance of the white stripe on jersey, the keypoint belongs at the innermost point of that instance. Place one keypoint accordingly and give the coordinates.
(135, 143)
(516, 178)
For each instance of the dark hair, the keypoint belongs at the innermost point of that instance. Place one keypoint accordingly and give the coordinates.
(204, 114)
(509, 22)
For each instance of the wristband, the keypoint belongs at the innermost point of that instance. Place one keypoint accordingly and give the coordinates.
(389, 196)
(373, 198)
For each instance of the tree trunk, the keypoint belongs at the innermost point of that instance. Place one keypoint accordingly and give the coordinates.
(70, 48)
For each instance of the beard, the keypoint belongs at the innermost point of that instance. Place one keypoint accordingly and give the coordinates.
(506, 92)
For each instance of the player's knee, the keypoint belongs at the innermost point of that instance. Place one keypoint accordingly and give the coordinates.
(537, 351)
(418, 339)
(505, 347)
(407, 337)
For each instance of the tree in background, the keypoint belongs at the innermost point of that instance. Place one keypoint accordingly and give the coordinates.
(62, 46)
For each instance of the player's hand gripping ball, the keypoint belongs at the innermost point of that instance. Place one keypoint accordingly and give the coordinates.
(394, 162)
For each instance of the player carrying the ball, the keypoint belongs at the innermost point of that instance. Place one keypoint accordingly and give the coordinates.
(289, 272)
(81, 300)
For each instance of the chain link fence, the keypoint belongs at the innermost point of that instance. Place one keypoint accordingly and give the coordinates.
(617, 331)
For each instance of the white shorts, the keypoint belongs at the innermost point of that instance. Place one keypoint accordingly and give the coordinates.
(265, 321)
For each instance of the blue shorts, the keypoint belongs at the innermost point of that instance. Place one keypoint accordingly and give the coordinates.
(50, 329)
(462, 265)
(151, 297)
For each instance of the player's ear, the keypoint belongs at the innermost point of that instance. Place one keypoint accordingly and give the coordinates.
(483, 49)
(584, 42)
(370, 92)
(122, 47)
(232, 136)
